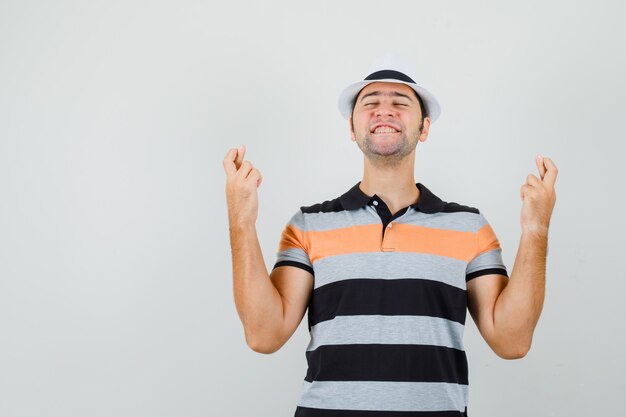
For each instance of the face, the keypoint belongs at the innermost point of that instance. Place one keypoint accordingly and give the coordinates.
(385, 122)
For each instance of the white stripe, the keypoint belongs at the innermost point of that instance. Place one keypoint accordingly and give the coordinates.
(390, 265)
(378, 329)
(384, 396)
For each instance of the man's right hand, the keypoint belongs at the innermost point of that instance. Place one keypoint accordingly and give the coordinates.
(242, 181)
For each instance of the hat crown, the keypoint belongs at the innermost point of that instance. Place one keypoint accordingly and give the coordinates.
(391, 61)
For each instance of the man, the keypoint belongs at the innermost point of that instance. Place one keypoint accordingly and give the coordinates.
(387, 270)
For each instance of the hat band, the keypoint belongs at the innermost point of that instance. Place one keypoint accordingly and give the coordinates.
(396, 75)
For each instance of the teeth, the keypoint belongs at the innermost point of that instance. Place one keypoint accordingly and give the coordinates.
(385, 129)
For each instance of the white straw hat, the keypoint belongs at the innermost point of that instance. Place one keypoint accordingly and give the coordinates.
(389, 67)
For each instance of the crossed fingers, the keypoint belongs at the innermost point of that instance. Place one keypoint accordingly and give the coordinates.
(547, 173)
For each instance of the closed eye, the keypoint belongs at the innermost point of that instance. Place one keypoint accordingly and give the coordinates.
(398, 104)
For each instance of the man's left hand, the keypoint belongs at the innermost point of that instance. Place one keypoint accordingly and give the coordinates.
(538, 198)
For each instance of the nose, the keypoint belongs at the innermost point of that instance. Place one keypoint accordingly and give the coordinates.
(385, 109)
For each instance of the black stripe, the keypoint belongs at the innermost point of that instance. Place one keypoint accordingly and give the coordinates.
(328, 206)
(321, 412)
(452, 207)
(407, 296)
(486, 272)
(387, 362)
(396, 75)
(296, 264)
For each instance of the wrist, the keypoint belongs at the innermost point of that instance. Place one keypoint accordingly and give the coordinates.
(535, 231)
(240, 226)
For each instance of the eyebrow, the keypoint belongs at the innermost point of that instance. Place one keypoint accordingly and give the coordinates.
(378, 93)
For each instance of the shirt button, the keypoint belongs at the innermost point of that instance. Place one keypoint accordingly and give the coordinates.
(375, 203)
(390, 224)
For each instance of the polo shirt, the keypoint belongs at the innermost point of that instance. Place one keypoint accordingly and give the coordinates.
(388, 307)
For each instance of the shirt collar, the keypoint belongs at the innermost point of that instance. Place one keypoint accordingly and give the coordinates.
(427, 202)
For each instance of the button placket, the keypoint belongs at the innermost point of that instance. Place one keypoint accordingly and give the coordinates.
(387, 243)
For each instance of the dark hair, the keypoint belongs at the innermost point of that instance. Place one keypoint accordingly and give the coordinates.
(419, 100)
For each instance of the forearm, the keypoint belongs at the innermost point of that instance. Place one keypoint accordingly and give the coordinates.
(258, 302)
(519, 305)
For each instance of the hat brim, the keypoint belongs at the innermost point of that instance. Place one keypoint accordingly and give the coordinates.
(347, 96)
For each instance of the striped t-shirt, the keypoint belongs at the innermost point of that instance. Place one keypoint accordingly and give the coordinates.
(389, 301)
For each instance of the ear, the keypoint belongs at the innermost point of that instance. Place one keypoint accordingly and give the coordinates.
(353, 138)
(425, 128)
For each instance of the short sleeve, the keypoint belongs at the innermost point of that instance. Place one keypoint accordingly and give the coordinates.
(292, 248)
(488, 255)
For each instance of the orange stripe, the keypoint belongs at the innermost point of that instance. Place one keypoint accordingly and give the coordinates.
(291, 238)
(400, 238)
(487, 239)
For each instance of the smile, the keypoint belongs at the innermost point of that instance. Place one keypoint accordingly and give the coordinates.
(385, 133)
(385, 130)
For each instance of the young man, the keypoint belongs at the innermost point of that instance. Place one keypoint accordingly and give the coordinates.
(388, 270)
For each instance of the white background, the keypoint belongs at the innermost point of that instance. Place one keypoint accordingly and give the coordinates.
(115, 271)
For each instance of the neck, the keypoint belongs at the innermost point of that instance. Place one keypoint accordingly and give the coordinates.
(394, 184)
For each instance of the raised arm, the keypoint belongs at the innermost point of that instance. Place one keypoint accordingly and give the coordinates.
(270, 308)
(506, 311)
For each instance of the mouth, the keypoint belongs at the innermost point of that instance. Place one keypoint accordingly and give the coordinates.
(385, 135)
(384, 130)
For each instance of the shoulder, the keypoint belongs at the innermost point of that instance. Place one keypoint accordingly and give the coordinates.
(299, 218)
(471, 217)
